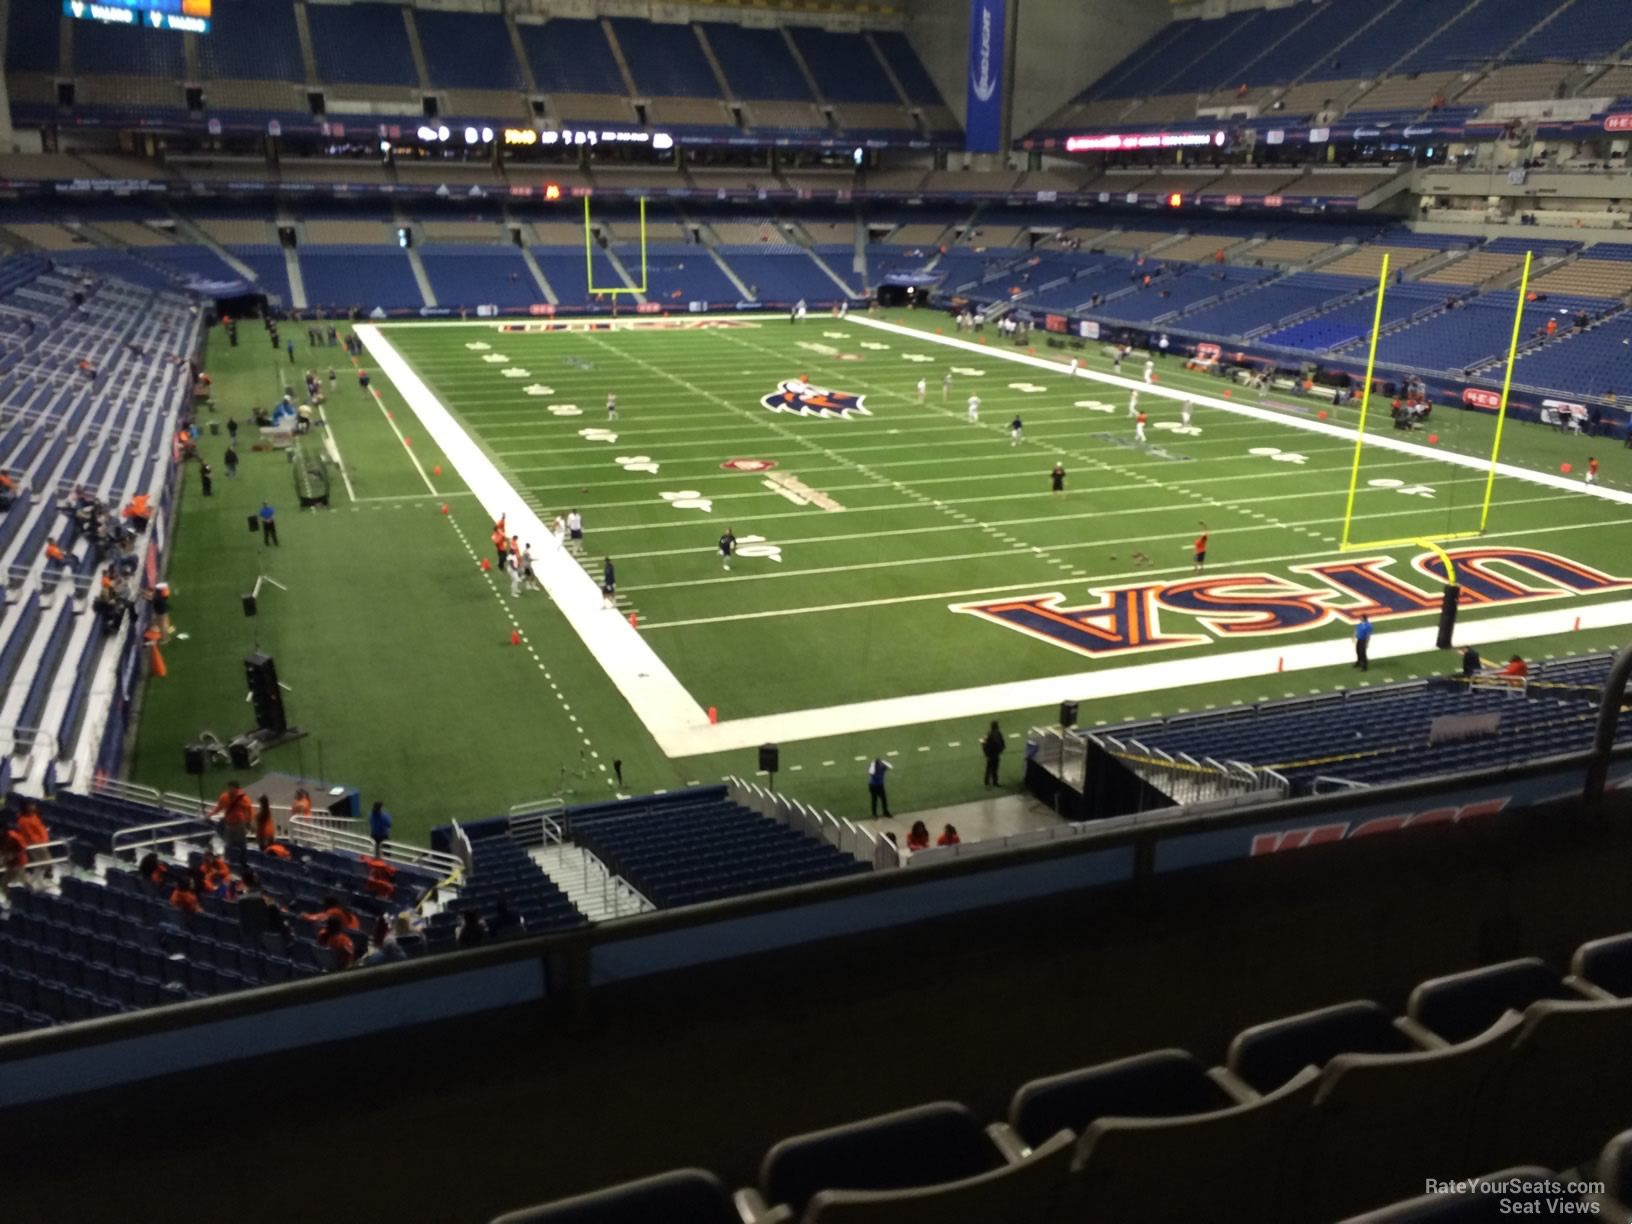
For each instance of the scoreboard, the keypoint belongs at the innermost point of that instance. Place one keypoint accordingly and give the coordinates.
(186, 16)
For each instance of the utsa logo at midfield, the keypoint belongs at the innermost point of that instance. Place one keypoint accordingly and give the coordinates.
(795, 395)
(1127, 619)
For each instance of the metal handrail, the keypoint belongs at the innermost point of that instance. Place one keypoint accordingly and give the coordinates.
(306, 831)
(121, 840)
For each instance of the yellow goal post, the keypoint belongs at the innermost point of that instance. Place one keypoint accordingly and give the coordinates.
(1430, 541)
(589, 257)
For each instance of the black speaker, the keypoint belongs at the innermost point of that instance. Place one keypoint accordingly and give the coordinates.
(249, 605)
(254, 522)
(264, 693)
(238, 753)
(1447, 616)
(1068, 713)
(770, 757)
(192, 757)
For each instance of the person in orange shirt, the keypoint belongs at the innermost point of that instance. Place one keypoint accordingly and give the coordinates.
(338, 943)
(151, 869)
(918, 837)
(949, 837)
(32, 828)
(1592, 471)
(332, 909)
(302, 806)
(501, 545)
(266, 829)
(185, 896)
(1517, 668)
(1201, 548)
(13, 856)
(54, 553)
(236, 813)
(215, 872)
(138, 512)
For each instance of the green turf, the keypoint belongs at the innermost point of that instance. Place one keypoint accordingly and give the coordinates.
(395, 645)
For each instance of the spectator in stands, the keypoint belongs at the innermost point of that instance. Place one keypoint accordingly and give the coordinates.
(13, 853)
(151, 869)
(992, 749)
(1471, 661)
(949, 837)
(8, 491)
(54, 554)
(185, 895)
(875, 785)
(918, 836)
(1516, 670)
(31, 825)
(337, 943)
(386, 947)
(333, 909)
(302, 805)
(379, 826)
(236, 814)
(380, 875)
(472, 931)
(266, 829)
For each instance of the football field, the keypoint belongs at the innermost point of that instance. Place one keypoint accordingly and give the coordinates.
(902, 574)
(889, 546)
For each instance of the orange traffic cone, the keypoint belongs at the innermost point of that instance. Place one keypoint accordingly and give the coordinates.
(634, 621)
(407, 441)
(486, 565)
(515, 637)
(444, 507)
(437, 470)
(159, 669)
(713, 716)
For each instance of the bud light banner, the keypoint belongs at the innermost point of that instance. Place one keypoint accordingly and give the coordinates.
(983, 126)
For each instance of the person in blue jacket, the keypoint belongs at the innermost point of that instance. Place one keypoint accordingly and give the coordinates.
(379, 826)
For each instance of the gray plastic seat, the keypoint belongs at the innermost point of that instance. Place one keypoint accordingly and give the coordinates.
(1225, 1166)
(1459, 1006)
(1383, 1123)
(1267, 1055)
(685, 1196)
(1160, 1084)
(1029, 1189)
(1566, 1083)
(929, 1145)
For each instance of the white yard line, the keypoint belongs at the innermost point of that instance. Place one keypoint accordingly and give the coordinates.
(332, 445)
(657, 698)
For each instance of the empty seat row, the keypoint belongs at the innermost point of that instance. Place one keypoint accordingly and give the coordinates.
(1513, 1067)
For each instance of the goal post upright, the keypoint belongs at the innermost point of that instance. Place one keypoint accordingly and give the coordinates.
(589, 257)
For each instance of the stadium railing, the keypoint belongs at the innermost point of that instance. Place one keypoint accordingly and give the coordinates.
(841, 833)
(540, 823)
(326, 833)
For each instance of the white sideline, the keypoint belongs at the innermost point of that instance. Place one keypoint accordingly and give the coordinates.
(680, 726)
(651, 689)
(1262, 414)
